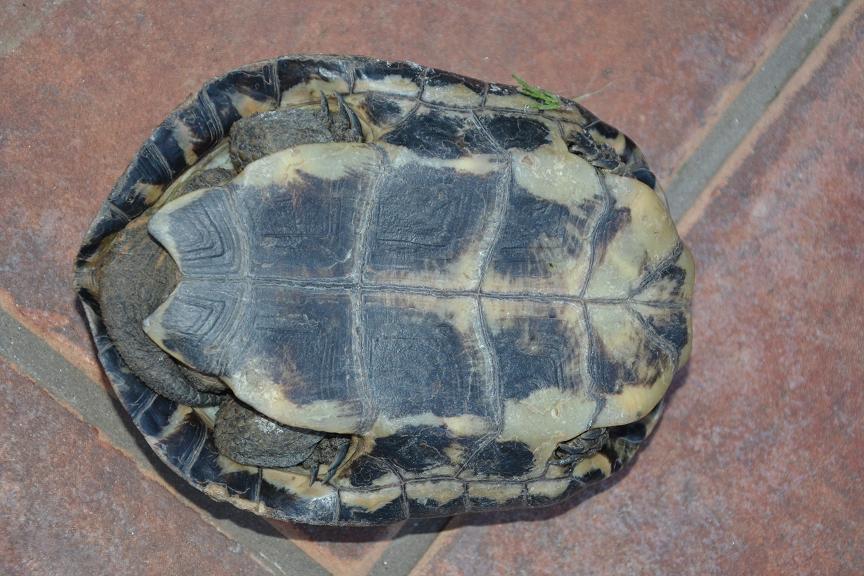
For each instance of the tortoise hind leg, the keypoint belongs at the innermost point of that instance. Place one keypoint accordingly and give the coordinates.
(250, 438)
(137, 276)
(263, 134)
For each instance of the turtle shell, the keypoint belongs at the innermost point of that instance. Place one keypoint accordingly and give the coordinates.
(474, 291)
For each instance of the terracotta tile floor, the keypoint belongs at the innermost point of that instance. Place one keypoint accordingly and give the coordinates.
(756, 466)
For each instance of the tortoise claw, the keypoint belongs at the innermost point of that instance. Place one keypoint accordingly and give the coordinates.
(313, 472)
(337, 462)
(349, 116)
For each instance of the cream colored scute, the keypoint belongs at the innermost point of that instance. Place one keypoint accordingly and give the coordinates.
(435, 493)
(646, 235)
(372, 500)
(330, 161)
(499, 492)
(452, 95)
(392, 84)
(310, 92)
(254, 387)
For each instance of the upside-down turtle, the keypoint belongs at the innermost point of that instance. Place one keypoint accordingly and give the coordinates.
(339, 290)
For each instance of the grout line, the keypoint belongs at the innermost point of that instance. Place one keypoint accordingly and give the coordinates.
(751, 103)
(409, 547)
(816, 58)
(77, 393)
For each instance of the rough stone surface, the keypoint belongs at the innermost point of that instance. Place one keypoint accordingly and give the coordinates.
(71, 504)
(756, 467)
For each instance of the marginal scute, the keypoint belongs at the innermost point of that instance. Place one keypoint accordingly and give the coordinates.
(302, 79)
(494, 495)
(379, 113)
(672, 283)
(509, 98)
(400, 78)
(435, 133)
(518, 132)
(450, 89)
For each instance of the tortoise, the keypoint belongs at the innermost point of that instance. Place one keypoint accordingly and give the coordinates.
(345, 291)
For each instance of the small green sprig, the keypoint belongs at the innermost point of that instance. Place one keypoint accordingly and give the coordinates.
(545, 99)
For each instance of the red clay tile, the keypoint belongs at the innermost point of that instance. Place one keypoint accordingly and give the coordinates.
(72, 505)
(756, 467)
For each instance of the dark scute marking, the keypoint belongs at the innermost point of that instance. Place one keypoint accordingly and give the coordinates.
(381, 69)
(443, 78)
(532, 356)
(674, 276)
(503, 90)
(605, 130)
(181, 447)
(509, 459)
(632, 156)
(303, 340)
(608, 375)
(205, 469)
(288, 506)
(257, 84)
(242, 483)
(646, 177)
(592, 476)
(306, 228)
(389, 513)
(525, 134)
(427, 216)
(671, 325)
(634, 433)
(137, 398)
(381, 109)
(366, 470)
(250, 438)
(416, 448)
(437, 134)
(126, 195)
(155, 418)
(189, 129)
(440, 78)
(294, 71)
(538, 235)
(430, 507)
(418, 363)
(608, 228)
